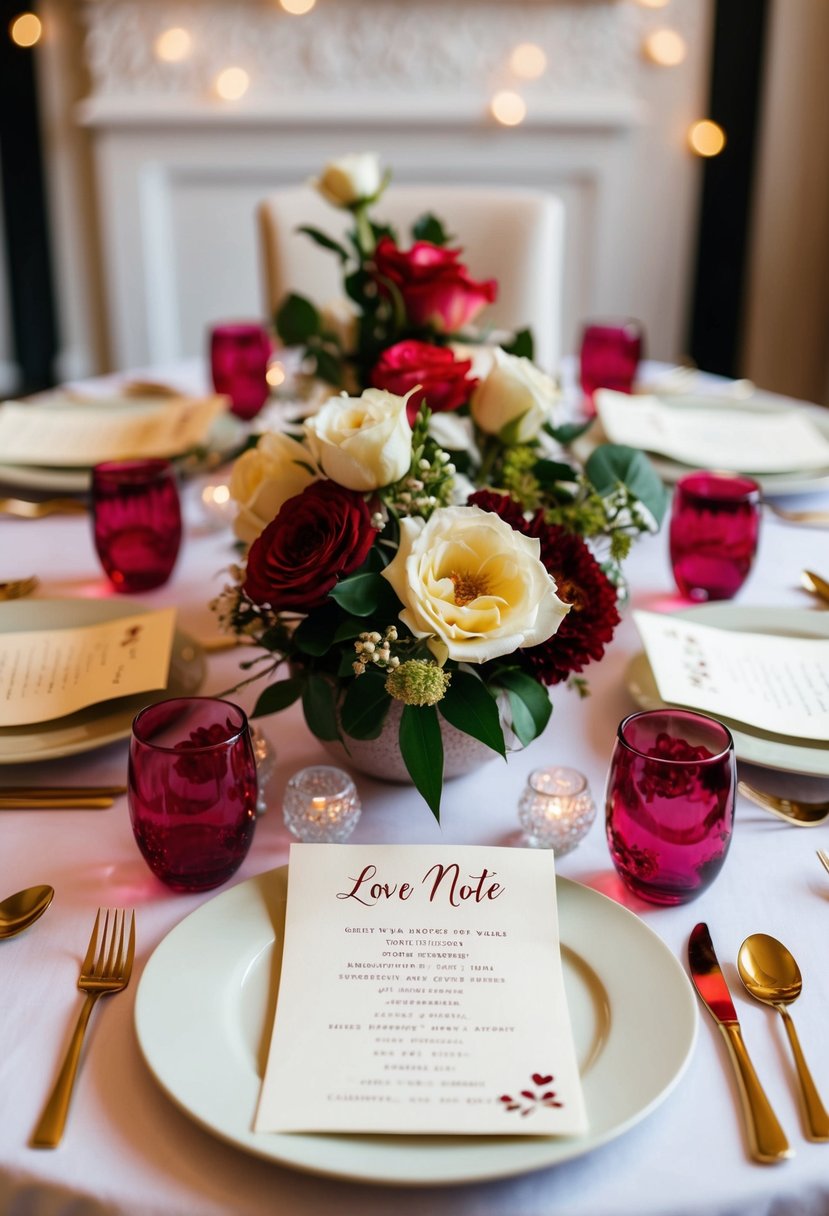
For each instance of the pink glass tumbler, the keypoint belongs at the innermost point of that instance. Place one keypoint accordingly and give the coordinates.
(137, 522)
(239, 357)
(608, 358)
(670, 803)
(715, 525)
(192, 790)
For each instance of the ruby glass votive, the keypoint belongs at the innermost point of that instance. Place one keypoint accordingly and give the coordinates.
(715, 526)
(670, 803)
(239, 357)
(136, 518)
(192, 790)
(609, 355)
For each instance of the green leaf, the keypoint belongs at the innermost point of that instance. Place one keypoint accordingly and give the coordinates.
(297, 320)
(278, 696)
(549, 472)
(365, 706)
(529, 702)
(470, 706)
(366, 595)
(316, 633)
(421, 747)
(320, 238)
(318, 707)
(349, 629)
(429, 228)
(509, 434)
(568, 431)
(329, 367)
(613, 464)
(522, 345)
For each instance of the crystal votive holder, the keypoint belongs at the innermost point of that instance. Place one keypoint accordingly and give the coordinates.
(556, 809)
(321, 805)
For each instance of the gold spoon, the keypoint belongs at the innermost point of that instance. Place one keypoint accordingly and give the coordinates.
(22, 909)
(791, 810)
(771, 974)
(814, 583)
(18, 588)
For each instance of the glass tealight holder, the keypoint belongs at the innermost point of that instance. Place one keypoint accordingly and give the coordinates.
(321, 805)
(556, 809)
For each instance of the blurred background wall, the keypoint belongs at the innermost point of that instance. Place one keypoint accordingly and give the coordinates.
(164, 121)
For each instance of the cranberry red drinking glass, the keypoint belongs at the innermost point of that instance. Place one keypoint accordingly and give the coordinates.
(715, 524)
(239, 357)
(670, 803)
(137, 522)
(609, 355)
(192, 790)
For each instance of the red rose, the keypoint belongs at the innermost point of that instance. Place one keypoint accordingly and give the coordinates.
(316, 538)
(434, 285)
(442, 376)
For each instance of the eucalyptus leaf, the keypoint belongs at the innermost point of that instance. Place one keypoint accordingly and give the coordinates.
(421, 747)
(529, 702)
(278, 696)
(297, 320)
(613, 464)
(319, 708)
(365, 706)
(568, 431)
(470, 707)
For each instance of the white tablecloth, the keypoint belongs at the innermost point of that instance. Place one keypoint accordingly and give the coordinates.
(129, 1149)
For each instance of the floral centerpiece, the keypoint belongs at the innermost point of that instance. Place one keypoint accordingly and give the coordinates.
(425, 537)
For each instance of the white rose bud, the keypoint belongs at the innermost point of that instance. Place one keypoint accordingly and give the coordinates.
(350, 180)
(264, 477)
(515, 399)
(470, 581)
(362, 443)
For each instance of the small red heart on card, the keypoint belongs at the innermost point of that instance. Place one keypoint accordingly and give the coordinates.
(538, 1079)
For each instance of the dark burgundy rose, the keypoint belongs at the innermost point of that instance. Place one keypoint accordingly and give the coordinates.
(443, 377)
(435, 287)
(317, 537)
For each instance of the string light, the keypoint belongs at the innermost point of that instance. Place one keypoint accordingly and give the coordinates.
(528, 61)
(232, 83)
(25, 29)
(508, 108)
(173, 45)
(297, 8)
(706, 138)
(666, 48)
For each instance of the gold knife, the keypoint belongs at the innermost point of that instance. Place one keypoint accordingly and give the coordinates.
(814, 583)
(82, 803)
(62, 791)
(766, 1138)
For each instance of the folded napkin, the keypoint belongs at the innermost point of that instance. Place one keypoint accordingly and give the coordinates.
(709, 432)
(63, 431)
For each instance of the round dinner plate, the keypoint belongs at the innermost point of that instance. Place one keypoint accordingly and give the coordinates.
(205, 1008)
(107, 721)
(227, 437)
(801, 482)
(808, 757)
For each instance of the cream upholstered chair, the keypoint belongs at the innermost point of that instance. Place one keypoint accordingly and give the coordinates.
(514, 236)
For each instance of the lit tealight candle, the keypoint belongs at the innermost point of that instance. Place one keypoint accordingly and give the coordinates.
(321, 805)
(556, 809)
(218, 507)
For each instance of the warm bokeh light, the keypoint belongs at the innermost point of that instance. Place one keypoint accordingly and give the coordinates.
(25, 29)
(528, 61)
(232, 83)
(706, 138)
(275, 375)
(652, 3)
(666, 48)
(508, 108)
(173, 45)
(297, 7)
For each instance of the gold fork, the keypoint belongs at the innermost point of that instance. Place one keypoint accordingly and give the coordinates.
(102, 974)
(799, 814)
(823, 858)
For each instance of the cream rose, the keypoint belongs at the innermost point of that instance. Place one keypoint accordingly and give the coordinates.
(362, 443)
(266, 476)
(515, 399)
(470, 580)
(350, 180)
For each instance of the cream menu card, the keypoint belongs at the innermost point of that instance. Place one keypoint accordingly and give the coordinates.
(47, 673)
(779, 684)
(421, 991)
